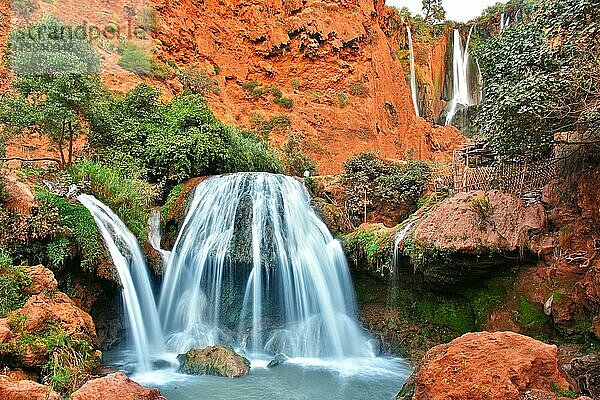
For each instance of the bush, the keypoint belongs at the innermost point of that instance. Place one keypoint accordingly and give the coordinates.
(131, 199)
(483, 208)
(264, 127)
(13, 282)
(294, 160)
(197, 81)
(295, 83)
(140, 33)
(3, 190)
(173, 142)
(285, 102)
(137, 60)
(23, 8)
(111, 28)
(372, 183)
(148, 19)
(76, 234)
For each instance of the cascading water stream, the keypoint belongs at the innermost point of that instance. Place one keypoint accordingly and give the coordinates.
(255, 267)
(155, 235)
(413, 77)
(461, 85)
(127, 256)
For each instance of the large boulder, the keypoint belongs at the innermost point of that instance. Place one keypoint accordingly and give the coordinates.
(213, 360)
(115, 386)
(466, 237)
(25, 390)
(47, 311)
(484, 365)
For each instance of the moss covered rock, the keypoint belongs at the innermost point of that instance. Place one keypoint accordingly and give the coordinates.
(213, 360)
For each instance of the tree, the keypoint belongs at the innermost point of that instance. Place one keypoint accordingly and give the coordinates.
(57, 80)
(434, 11)
(541, 77)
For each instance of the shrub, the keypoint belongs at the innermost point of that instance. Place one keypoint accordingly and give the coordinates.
(131, 199)
(197, 81)
(75, 225)
(342, 99)
(13, 282)
(23, 8)
(483, 208)
(3, 190)
(111, 28)
(285, 102)
(137, 60)
(295, 83)
(140, 33)
(173, 142)
(148, 19)
(294, 160)
(264, 127)
(372, 183)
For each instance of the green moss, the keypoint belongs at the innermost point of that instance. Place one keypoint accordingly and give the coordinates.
(529, 316)
(171, 199)
(567, 392)
(370, 249)
(452, 314)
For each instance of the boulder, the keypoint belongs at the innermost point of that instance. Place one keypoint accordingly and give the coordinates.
(213, 360)
(25, 390)
(42, 279)
(115, 386)
(466, 237)
(484, 365)
(277, 360)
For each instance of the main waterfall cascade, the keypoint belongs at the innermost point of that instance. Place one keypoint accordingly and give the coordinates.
(142, 316)
(413, 77)
(255, 267)
(464, 92)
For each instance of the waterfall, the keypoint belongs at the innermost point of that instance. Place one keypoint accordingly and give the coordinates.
(461, 96)
(127, 256)
(502, 16)
(155, 235)
(255, 267)
(399, 238)
(413, 77)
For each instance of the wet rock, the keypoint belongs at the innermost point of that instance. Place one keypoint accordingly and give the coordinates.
(25, 390)
(482, 365)
(213, 360)
(277, 360)
(115, 386)
(585, 372)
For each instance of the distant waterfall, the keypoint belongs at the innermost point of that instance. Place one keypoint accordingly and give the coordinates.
(461, 85)
(413, 77)
(254, 266)
(127, 256)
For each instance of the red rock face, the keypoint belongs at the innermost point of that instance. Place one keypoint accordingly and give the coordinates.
(328, 48)
(483, 365)
(25, 390)
(115, 386)
(455, 225)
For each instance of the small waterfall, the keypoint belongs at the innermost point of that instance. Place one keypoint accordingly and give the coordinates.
(461, 96)
(399, 238)
(127, 256)
(155, 235)
(255, 267)
(413, 77)
(502, 16)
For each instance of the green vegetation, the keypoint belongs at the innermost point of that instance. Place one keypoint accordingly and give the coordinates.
(13, 282)
(148, 20)
(359, 89)
(171, 199)
(54, 89)
(131, 199)
(542, 78)
(23, 8)
(137, 60)
(342, 99)
(197, 81)
(482, 206)
(258, 90)
(294, 160)
(567, 392)
(172, 142)
(262, 127)
(434, 11)
(295, 83)
(371, 249)
(76, 233)
(372, 183)
(530, 317)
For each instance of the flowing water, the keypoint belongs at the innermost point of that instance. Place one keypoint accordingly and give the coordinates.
(413, 76)
(255, 268)
(142, 316)
(464, 92)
